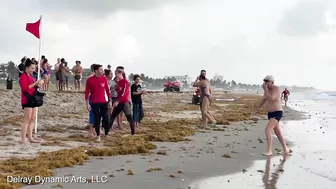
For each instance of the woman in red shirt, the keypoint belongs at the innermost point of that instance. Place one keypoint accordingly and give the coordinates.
(28, 85)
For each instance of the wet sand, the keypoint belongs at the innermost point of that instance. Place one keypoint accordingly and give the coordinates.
(209, 154)
(312, 164)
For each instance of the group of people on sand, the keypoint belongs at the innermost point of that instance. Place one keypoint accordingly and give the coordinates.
(108, 98)
(61, 72)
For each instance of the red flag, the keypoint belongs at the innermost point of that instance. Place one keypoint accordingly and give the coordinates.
(34, 28)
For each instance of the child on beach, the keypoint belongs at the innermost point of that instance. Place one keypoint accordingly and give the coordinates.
(136, 93)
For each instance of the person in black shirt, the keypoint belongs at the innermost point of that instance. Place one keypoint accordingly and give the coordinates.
(136, 93)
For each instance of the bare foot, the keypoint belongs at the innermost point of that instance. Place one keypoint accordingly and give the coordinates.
(90, 135)
(33, 141)
(289, 151)
(267, 154)
(25, 141)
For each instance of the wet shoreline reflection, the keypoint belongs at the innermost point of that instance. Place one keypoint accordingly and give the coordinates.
(270, 179)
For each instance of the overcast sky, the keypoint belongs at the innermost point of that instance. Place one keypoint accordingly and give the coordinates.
(244, 40)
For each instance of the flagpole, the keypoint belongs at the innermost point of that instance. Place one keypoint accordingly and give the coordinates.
(38, 68)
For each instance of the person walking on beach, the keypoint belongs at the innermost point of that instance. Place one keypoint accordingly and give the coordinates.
(91, 114)
(45, 74)
(78, 71)
(205, 100)
(97, 86)
(120, 116)
(136, 93)
(28, 88)
(109, 75)
(123, 102)
(285, 95)
(273, 105)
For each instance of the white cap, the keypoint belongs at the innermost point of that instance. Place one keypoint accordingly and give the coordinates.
(269, 78)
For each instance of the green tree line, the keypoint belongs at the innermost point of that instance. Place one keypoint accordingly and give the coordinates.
(11, 69)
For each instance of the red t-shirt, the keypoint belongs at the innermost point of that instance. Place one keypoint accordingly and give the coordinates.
(123, 90)
(96, 87)
(25, 81)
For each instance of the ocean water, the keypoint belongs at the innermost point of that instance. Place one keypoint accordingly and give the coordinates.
(313, 163)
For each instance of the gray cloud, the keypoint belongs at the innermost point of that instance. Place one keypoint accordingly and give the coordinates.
(307, 18)
(102, 7)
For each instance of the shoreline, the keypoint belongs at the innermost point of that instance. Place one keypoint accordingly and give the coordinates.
(172, 112)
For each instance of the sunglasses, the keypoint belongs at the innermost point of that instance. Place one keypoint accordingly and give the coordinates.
(265, 80)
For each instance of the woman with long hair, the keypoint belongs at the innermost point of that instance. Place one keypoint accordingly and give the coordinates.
(120, 116)
(28, 88)
(109, 75)
(205, 100)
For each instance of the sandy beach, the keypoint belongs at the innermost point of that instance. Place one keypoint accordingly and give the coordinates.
(169, 151)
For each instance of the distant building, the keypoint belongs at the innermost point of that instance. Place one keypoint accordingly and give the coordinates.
(180, 78)
(218, 77)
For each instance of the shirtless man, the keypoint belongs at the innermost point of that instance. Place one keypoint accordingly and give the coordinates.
(272, 100)
(285, 95)
(78, 71)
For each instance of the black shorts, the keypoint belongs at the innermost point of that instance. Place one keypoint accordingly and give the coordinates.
(276, 115)
(28, 105)
(57, 76)
(114, 99)
(78, 77)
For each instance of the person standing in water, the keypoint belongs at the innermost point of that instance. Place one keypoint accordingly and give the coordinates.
(28, 87)
(123, 102)
(205, 100)
(136, 93)
(285, 95)
(97, 87)
(272, 100)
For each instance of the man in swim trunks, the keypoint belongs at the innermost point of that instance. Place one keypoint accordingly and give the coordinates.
(272, 100)
(78, 71)
(285, 95)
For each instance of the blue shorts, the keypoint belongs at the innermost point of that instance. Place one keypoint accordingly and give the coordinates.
(91, 118)
(138, 113)
(91, 114)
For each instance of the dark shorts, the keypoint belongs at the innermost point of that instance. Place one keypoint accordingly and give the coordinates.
(114, 99)
(276, 115)
(28, 105)
(78, 77)
(57, 76)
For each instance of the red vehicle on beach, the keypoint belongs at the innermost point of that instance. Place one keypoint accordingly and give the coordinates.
(196, 96)
(172, 86)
